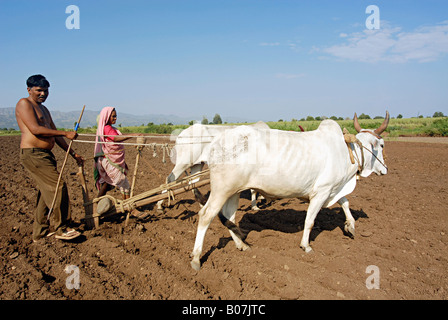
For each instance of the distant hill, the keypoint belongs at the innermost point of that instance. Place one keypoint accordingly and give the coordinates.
(67, 119)
(8, 118)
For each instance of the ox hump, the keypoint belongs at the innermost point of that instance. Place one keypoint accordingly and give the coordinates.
(329, 125)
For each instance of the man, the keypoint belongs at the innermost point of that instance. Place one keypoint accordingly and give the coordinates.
(39, 135)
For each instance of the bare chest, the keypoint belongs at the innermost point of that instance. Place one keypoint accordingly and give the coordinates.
(42, 117)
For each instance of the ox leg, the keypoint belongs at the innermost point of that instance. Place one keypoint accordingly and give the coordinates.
(197, 194)
(349, 227)
(313, 209)
(206, 215)
(254, 200)
(229, 212)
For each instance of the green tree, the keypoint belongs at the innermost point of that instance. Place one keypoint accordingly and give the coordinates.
(438, 114)
(204, 120)
(217, 119)
(364, 116)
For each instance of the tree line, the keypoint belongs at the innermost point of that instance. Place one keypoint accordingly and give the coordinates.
(362, 116)
(218, 120)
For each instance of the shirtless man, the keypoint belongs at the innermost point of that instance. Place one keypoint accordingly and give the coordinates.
(39, 135)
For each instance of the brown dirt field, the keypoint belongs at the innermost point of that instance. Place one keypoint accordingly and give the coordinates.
(401, 227)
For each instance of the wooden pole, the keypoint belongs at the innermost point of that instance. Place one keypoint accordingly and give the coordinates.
(141, 141)
(135, 173)
(63, 166)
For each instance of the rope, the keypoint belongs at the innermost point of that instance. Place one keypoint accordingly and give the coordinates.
(123, 143)
(125, 136)
(138, 144)
(166, 148)
(376, 157)
(159, 136)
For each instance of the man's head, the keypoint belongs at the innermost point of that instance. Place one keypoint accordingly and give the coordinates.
(38, 88)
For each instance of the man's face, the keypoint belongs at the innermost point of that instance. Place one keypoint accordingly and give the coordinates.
(38, 94)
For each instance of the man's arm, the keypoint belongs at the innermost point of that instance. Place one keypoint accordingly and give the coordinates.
(61, 142)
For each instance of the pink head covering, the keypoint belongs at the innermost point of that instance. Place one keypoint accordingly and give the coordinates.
(102, 121)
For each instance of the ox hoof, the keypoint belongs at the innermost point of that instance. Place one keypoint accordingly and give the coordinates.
(195, 265)
(255, 208)
(349, 230)
(244, 247)
(307, 249)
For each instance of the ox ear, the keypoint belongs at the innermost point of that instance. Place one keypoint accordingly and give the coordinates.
(383, 125)
(356, 123)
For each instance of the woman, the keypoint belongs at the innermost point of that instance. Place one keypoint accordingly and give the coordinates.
(110, 166)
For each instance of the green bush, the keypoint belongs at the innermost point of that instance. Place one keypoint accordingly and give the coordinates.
(438, 128)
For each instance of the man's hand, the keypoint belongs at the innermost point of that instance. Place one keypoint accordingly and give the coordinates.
(72, 135)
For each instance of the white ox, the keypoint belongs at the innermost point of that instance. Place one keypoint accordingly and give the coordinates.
(191, 151)
(314, 166)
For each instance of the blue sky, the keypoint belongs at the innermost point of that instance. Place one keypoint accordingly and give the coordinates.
(254, 59)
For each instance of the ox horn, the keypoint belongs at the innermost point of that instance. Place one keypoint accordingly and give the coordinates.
(356, 123)
(383, 125)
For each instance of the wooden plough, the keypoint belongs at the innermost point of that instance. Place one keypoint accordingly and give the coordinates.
(107, 205)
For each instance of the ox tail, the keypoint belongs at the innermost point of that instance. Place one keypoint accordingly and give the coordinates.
(231, 226)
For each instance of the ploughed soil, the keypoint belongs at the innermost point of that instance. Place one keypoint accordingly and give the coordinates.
(400, 246)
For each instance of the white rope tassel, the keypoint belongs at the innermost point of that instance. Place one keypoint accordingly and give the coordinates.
(164, 153)
(154, 151)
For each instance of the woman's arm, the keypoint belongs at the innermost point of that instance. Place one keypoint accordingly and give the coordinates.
(128, 136)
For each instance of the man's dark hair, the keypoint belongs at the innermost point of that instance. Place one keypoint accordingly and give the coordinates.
(37, 80)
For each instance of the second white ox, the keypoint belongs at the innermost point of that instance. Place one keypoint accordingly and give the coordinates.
(192, 149)
(314, 165)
